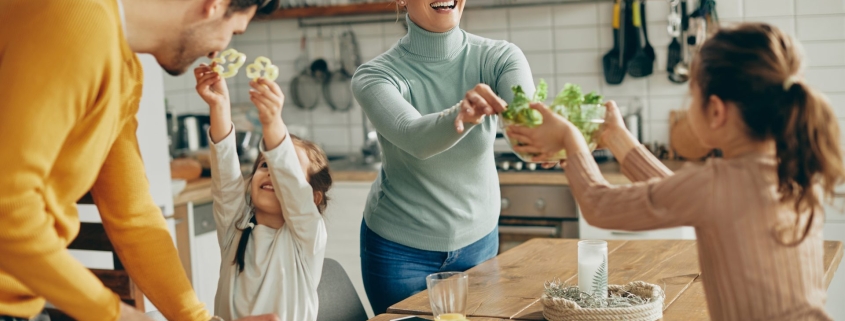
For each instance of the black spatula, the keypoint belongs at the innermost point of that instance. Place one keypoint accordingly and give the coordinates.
(641, 64)
(675, 55)
(614, 65)
(649, 50)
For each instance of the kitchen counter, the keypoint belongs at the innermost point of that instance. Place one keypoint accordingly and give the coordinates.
(199, 191)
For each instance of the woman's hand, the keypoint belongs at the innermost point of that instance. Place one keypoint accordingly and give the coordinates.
(554, 134)
(269, 99)
(212, 89)
(478, 102)
(211, 86)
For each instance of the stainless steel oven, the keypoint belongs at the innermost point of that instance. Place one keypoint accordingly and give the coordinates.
(531, 211)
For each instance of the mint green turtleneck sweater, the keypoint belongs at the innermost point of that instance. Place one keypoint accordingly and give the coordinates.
(437, 190)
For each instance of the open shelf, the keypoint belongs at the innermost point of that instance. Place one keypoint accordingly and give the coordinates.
(384, 7)
(334, 11)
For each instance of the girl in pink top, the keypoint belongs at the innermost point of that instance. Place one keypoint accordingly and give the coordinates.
(757, 211)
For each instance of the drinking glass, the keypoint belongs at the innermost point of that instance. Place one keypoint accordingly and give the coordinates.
(447, 293)
(592, 267)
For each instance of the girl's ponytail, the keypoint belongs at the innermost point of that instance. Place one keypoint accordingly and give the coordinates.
(239, 255)
(808, 154)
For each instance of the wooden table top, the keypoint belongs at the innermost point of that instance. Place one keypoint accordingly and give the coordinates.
(510, 285)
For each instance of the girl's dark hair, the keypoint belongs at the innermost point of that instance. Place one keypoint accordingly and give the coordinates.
(318, 177)
(756, 66)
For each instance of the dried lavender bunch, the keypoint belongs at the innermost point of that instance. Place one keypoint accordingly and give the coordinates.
(556, 289)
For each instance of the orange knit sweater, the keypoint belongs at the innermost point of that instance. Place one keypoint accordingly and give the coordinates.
(69, 90)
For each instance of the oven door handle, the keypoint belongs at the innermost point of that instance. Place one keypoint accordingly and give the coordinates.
(528, 230)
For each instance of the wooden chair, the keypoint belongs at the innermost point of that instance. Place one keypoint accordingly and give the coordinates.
(92, 237)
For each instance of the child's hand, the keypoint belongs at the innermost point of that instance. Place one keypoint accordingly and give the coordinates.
(614, 124)
(269, 99)
(556, 133)
(211, 86)
(614, 134)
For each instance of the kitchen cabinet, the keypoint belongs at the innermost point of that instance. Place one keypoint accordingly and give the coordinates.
(343, 220)
(198, 248)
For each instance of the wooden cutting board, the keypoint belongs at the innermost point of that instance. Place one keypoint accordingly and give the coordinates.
(681, 138)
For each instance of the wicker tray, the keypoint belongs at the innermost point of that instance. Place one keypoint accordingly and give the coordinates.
(558, 309)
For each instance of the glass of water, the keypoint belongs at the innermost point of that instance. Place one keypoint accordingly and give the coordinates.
(447, 293)
(592, 267)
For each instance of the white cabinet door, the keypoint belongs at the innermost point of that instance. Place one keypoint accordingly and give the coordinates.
(835, 231)
(208, 268)
(343, 222)
(205, 253)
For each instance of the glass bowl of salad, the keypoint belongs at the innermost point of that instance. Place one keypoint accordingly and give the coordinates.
(586, 112)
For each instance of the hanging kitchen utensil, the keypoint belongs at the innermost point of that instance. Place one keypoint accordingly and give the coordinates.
(614, 71)
(674, 56)
(337, 89)
(302, 61)
(302, 87)
(320, 67)
(649, 50)
(304, 90)
(632, 35)
(350, 53)
(622, 36)
(707, 12)
(641, 64)
(680, 71)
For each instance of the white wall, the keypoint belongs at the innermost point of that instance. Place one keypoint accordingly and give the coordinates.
(563, 43)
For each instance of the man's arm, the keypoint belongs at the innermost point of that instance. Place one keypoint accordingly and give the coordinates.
(137, 229)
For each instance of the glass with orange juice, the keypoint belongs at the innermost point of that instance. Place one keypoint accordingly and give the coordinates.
(447, 293)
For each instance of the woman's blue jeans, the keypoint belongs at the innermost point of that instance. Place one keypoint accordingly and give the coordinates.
(393, 272)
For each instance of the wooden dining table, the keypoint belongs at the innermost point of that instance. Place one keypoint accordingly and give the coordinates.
(509, 286)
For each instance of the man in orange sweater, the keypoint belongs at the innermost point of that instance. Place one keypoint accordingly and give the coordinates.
(70, 84)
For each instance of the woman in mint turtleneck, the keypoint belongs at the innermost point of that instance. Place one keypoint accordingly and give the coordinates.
(433, 98)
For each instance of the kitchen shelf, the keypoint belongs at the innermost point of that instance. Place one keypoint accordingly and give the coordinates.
(385, 7)
(333, 11)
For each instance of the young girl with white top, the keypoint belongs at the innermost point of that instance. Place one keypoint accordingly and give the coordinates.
(270, 226)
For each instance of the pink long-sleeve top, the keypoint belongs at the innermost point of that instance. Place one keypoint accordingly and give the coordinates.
(735, 208)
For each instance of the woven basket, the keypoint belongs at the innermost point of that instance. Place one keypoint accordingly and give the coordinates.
(558, 309)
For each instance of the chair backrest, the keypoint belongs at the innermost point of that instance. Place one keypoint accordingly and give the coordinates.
(92, 237)
(338, 299)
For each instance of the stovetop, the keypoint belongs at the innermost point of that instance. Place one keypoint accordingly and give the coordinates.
(509, 162)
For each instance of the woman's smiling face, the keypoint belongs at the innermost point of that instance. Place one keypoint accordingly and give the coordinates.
(435, 15)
